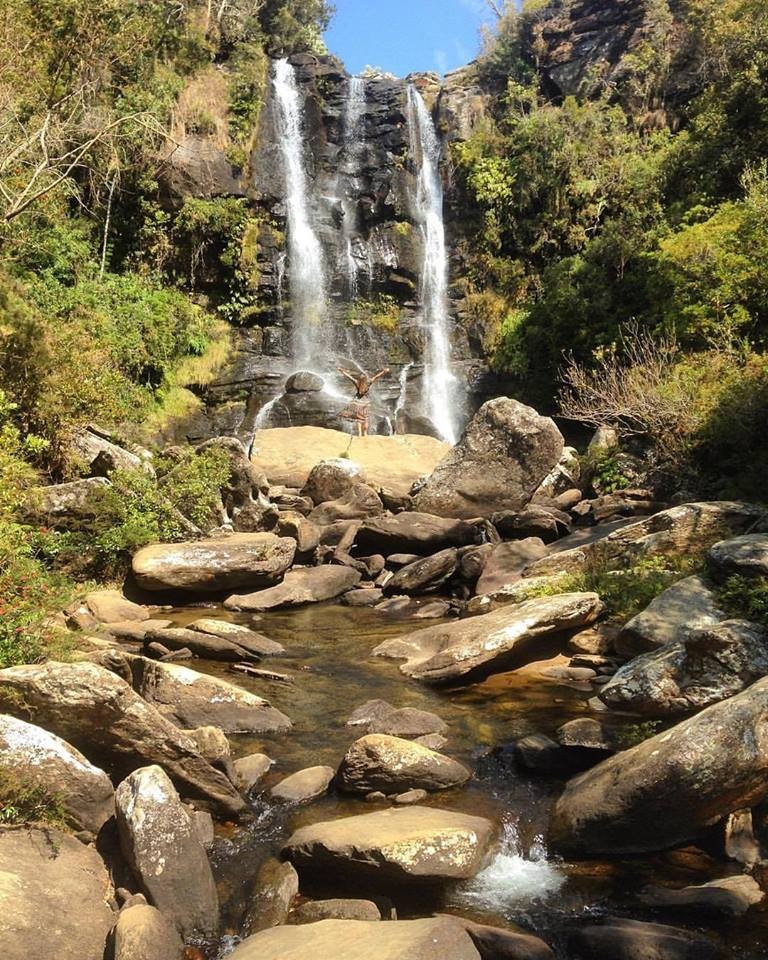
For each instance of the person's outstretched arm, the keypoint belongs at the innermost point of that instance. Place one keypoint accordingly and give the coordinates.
(379, 375)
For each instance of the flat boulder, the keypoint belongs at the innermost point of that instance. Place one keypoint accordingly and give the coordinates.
(425, 575)
(192, 699)
(159, 840)
(506, 562)
(710, 664)
(506, 451)
(44, 760)
(401, 843)
(225, 563)
(412, 532)
(394, 765)
(617, 938)
(732, 896)
(335, 909)
(745, 556)
(667, 789)
(205, 645)
(304, 785)
(101, 715)
(358, 502)
(143, 933)
(378, 716)
(670, 617)
(302, 585)
(54, 894)
(434, 938)
(470, 649)
(254, 642)
(110, 606)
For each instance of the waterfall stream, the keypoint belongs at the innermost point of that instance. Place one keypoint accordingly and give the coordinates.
(307, 278)
(439, 381)
(352, 152)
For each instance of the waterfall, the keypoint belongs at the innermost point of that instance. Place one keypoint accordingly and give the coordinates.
(305, 256)
(402, 394)
(352, 150)
(439, 381)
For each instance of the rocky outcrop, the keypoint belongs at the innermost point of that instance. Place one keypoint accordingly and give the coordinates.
(159, 840)
(379, 762)
(244, 499)
(409, 843)
(301, 585)
(506, 451)
(34, 756)
(435, 938)
(100, 456)
(670, 617)
(100, 714)
(688, 529)
(228, 563)
(76, 500)
(710, 664)
(667, 789)
(54, 896)
(745, 556)
(468, 650)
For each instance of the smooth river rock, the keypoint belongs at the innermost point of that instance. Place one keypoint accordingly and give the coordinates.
(434, 938)
(45, 760)
(225, 563)
(302, 585)
(402, 843)
(467, 650)
(143, 933)
(616, 938)
(334, 909)
(506, 562)
(100, 714)
(378, 716)
(709, 665)
(410, 532)
(506, 451)
(304, 785)
(394, 765)
(425, 575)
(252, 641)
(667, 789)
(53, 897)
(160, 842)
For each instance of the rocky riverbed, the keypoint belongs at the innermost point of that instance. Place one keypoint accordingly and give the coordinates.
(403, 719)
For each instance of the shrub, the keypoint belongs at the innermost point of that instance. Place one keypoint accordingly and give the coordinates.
(23, 801)
(745, 598)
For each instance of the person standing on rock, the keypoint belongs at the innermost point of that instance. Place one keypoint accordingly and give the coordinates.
(360, 407)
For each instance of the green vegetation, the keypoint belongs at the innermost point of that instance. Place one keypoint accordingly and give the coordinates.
(605, 213)
(382, 312)
(22, 801)
(745, 598)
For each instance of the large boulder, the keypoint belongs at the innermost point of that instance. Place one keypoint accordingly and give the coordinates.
(253, 642)
(358, 502)
(100, 456)
(667, 789)
(403, 843)
(710, 664)
(690, 528)
(731, 896)
(274, 890)
(425, 575)
(304, 785)
(244, 494)
(335, 909)
(160, 842)
(54, 895)
(470, 649)
(110, 606)
(378, 762)
(302, 585)
(143, 933)
(434, 938)
(506, 451)
(378, 716)
(76, 500)
(670, 617)
(226, 563)
(192, 699)
(331, 480)
(616, 938)
(98, 712)
(287, 456)
(44, 760)
(414, 533)
(745, 556)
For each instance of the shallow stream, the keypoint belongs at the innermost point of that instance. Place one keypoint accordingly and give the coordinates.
(332, 671)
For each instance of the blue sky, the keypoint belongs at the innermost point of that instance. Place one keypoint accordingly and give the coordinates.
(406, 35)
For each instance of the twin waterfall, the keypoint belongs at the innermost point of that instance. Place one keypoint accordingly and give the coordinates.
(312, 338)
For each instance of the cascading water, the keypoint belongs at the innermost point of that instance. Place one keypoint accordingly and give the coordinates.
(305, 256)
(354, 114)
(439, 381)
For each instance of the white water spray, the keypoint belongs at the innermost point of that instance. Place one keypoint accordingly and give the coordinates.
(305, 255)
(439, 382)
(514, 878)
(354, 132)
